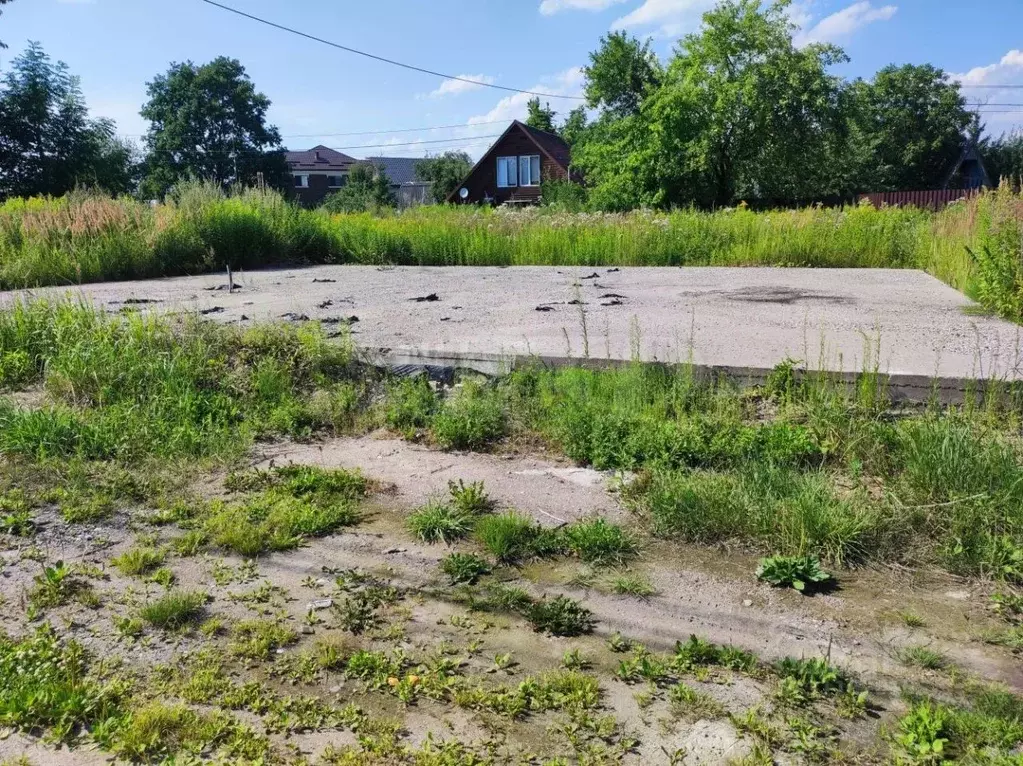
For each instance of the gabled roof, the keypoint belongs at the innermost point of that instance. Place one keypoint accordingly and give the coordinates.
(399, 170)
(552, 145)
(321, 158)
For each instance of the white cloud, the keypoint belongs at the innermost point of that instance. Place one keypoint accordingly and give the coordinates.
(550, 7)
(666, 18)
(453, 86)
(845, 22)
(1007, 70)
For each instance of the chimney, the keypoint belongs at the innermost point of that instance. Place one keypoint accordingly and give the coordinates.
(318, 157)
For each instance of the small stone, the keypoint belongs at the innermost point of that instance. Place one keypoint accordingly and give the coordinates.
(395, 550)
(334, 689)
(307, 630)
(320, 603)
(747, 602)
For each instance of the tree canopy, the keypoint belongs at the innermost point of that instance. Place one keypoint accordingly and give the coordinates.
(444, 172)
(739, 111)
(209, 122)
(48, 142)
(540, 117)
(367, 188)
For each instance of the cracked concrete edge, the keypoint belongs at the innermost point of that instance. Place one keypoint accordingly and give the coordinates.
(899, 386)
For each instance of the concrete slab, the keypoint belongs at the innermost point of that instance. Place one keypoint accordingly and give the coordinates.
(835, 319)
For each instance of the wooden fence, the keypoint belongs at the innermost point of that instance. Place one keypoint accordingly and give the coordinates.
(932, 199)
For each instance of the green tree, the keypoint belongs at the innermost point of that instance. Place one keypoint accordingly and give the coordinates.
(621, 72)
(540, 117)
(916, 120)
(574, 127)
(367, 189)
(444, 172)
(48, 143)
(1003, 157)
(209, 122)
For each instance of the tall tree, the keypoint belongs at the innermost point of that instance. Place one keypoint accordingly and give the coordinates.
(540, 116)
(209, 122)
(574, 126)
(917, 120)
(444, 173)
(1003, 157)
(48, 143)
(621, 72)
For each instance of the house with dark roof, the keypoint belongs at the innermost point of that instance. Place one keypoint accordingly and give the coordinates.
(405, 183)
(514, 167)
(318, 172)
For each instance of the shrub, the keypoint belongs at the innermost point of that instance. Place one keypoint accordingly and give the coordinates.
(803, 573)
(596, 541)
(436, 523)
(472, 419)
(175, 610)
(560, 616)
(464, 568)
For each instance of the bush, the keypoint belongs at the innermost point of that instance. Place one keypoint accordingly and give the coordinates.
(472, 419)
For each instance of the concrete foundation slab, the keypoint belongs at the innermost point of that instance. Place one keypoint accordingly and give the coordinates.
(904, 321)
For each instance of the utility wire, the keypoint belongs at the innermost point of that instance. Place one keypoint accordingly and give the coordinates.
(466, 141)
(373, 56)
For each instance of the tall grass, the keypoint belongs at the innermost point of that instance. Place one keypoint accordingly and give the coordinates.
(85, 238)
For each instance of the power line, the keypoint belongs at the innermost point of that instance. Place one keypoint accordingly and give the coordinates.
(467, 140)
(994, 104)
(1010, 87)
(373, 56)
(356, 132)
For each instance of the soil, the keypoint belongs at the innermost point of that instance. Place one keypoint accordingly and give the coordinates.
(709, 593)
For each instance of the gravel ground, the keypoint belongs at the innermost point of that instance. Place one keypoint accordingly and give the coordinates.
(744, 317)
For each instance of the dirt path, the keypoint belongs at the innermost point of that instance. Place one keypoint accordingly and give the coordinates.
(712, 594)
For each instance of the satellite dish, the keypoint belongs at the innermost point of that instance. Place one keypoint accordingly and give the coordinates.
(463, 193)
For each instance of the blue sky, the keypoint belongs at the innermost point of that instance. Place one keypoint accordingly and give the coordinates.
(115, 46)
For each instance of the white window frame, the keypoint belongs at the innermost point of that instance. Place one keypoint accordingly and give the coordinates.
(301, 180)
(528, 160)
(511, 163)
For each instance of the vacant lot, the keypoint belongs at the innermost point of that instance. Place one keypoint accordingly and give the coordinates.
(973, 246)
(243, 545)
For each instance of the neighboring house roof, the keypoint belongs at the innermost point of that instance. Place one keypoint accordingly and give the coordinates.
(399, 170)
(552, 145)
(319, 158)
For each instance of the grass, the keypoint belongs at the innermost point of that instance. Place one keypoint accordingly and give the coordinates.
(924, 657)
(800, 468)
(598, 542)
(86, 237)
(175, 610)
(438, 523)
(138, 561)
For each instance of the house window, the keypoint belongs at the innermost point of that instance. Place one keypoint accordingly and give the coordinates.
(301, 181)
(507, 172)
(529, 170)
(335, 182)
